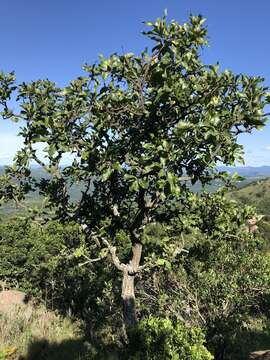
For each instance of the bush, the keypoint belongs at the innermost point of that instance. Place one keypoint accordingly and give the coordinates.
(158, 338)
(41, 262)
(33, 252)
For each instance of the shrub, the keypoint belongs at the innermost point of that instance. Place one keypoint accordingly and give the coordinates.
(41, 262)
(158, 338)
(32, 253)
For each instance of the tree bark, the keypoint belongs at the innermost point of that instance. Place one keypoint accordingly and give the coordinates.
(128, 291)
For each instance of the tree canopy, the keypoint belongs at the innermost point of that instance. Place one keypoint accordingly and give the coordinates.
(136, 128)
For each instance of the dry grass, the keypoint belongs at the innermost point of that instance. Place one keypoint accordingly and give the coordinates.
(36, 333)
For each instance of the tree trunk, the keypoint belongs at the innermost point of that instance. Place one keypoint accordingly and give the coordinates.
(128, 292)
(128, 298)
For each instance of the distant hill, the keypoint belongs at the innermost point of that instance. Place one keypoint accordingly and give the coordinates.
(254, 189)
(247, 170)
(256, 193)
(241, 170)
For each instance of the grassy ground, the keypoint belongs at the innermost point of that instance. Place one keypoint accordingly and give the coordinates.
(35, 333)
(257, 193)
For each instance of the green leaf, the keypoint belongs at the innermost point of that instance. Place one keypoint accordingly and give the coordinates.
(134, 186)
(107, 174)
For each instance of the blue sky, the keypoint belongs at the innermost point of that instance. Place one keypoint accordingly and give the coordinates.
(54, 38)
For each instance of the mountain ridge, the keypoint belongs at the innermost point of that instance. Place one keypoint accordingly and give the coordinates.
(263, 170)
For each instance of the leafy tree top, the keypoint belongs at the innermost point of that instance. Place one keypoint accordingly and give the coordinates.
(136, 128)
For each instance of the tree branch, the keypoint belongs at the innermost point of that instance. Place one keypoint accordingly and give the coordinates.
(112, 249)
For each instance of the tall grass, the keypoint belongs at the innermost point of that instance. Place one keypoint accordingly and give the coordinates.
(36, 333)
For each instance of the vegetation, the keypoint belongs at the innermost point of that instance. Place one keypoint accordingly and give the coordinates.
(34, 200)
(219, 283)
(137, 130)
(257, 194)
(161, 339)
(39, 334)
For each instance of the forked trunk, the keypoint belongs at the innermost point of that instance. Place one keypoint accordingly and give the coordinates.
(128, 292)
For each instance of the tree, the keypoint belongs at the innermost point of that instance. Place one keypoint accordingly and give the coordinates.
(136, 129)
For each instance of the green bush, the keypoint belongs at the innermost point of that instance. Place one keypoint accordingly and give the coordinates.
(218, 284)
(40, 260)
(158, 338)
(32, 252)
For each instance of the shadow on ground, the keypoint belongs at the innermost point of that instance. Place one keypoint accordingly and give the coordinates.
(69, 350)
(66, 350)
(249, 341)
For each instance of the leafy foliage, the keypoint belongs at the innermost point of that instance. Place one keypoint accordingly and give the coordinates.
(162, 339)
(32, 253)
(218, 283)
(136, 128)
(46, 263)
(221, 278)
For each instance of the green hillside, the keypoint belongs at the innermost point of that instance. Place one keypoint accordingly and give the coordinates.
(250, 174)
(257, 193)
